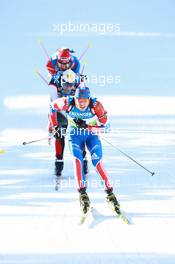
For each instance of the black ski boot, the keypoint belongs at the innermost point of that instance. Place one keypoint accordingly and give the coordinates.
(58, 167)
(112, 200)
(84, 201)
(85, 166)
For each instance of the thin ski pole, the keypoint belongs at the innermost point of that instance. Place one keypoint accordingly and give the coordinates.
(34, 141)
(41, 76)
(84, 52)
(40, 41)
(129, 157)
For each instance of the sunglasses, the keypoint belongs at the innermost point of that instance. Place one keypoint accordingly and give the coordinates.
(68, 84)
(64, 63)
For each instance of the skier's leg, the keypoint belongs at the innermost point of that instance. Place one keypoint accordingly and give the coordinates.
(94, 145)
(84, 200)
(60, 143)
(59, 149)
(76, 146)
(85, 162)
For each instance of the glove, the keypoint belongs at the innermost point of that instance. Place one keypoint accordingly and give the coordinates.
(80, 123)
(56, 79)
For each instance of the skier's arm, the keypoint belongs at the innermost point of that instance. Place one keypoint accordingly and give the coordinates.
(101, 113)
(57, 105)
(50, 67)
(76, 65)
(53, 96)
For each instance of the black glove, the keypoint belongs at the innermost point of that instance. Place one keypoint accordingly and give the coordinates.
(56, 79)
(80, 123)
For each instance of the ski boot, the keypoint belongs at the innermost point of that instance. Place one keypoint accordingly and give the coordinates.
(112, 200)
(58, 167)
(84, 201)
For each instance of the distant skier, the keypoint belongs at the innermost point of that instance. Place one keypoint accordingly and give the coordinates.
(84, 114)
(69, 82)
(59, 62)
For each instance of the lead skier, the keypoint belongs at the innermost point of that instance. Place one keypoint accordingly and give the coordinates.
(85, 114)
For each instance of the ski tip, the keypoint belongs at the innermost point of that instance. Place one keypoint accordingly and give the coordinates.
(36, 71)
(124, 219)
(84, 216)
(2, 151)
(39, 40)
(90, 45)
(127, 221)
(24, 143)
(82, 220)
(85, 62)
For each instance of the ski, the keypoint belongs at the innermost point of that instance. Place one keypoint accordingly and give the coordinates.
(84, 216)
(123, 217)
(2, 151)
(57, 183)
(119, 214)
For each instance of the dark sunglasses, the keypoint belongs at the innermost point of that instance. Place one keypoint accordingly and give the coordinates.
(68, 84)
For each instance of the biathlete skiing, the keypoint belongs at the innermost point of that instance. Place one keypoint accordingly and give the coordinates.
(85, 114)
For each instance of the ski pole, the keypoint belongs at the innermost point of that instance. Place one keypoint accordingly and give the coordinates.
(84, 52)
(34, 141)
(129, 157)
(40, 41)
(82, 69)
(47, 54)
(41, 76)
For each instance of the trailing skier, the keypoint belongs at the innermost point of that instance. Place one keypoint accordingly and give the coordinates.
(69, 83)
(59, 62)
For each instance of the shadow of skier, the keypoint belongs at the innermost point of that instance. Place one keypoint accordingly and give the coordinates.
(98, 218)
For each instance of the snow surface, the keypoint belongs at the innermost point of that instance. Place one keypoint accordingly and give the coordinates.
(40, 225)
